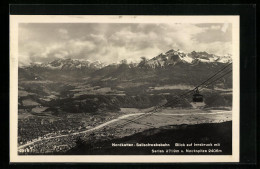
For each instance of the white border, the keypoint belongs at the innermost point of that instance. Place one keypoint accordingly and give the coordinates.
(16, 19)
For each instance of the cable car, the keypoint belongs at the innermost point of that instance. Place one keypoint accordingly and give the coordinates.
(197, 97)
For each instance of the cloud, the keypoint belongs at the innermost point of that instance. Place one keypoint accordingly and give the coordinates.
(111, 43)
(63, 33)
(224, 27)
(75, 49)
(215, 27)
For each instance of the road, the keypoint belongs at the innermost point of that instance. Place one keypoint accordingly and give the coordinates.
(115, 120)
(86, 131)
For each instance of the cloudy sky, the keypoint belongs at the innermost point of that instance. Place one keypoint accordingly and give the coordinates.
(112, 42)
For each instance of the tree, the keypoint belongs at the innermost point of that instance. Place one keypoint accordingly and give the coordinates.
(143, 62)
(124, 61)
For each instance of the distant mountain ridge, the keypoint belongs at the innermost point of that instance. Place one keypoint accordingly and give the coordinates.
(169, 58)
(68, 64)
(171, 68)
(172, 57)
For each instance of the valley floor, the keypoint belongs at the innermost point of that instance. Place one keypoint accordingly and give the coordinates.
(111, 126)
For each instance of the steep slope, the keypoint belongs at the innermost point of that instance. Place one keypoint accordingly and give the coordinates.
(185, 134)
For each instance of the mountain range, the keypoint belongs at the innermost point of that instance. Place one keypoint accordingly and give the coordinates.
(169, 58)
(63, 83)
(171, 68)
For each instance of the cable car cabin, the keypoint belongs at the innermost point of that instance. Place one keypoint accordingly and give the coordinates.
(197, 97)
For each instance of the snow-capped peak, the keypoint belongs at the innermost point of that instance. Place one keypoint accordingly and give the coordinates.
(173, 57)
(69, 64)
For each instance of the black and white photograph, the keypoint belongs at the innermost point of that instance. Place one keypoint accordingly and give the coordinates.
(128, 88)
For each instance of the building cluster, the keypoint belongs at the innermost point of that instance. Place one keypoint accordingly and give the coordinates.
(44, 134)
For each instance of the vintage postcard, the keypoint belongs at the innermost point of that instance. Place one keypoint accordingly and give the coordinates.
(126, 89)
